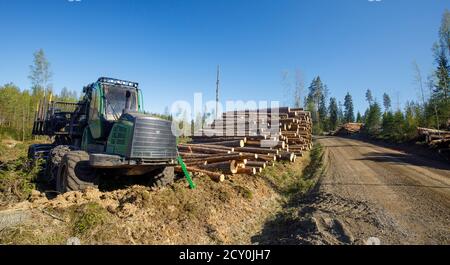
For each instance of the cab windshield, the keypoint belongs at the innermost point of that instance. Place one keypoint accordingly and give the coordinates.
(115, 100)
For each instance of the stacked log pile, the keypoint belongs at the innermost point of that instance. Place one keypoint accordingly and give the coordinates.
(246, 142)
(349, 128)
(435, 137)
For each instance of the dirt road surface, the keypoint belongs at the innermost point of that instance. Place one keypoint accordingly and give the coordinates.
(371, 194)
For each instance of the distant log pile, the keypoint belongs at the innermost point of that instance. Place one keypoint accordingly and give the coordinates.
(436, 138)
(245, 142)
(349, 128)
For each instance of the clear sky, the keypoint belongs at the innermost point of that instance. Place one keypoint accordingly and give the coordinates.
(172, 47)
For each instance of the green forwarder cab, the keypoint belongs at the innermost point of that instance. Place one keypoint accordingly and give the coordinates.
(106, 133)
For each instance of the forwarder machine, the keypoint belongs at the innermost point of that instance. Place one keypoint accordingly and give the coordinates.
(105, 134)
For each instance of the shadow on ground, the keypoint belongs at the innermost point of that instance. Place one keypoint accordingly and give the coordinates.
(405, 159)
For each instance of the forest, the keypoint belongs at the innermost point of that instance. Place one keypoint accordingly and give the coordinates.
(384, 119)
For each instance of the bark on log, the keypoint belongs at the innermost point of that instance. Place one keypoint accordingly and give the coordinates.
(232, 143)
(256, 164)
(228, 167)
(213, 175)
(206, 150)
(256, 150)
(288, 156)
(267, 157)
(246, 170)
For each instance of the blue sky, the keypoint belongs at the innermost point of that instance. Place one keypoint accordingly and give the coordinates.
(172, 47)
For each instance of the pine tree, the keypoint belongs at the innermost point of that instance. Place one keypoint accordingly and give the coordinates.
(359, 118)
(442, 74)
(369, 96)
(386, 102)
(323, 113)
(439, 102)
(333, 114)
(373, 119)
(349, 115)
(410, 122)
(315, 103)
(340, 113)
(397, 130)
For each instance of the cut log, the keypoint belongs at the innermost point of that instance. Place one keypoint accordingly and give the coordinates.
(195, 163)
(220, 158)
(232, 143)
(226, 148)
(206, 139)
(247, 170)
(213, 175)
(287, 156)
(257, 150)
(256, 164)
(227, 167)
(267, 157)
(206, 150)
(187, 155)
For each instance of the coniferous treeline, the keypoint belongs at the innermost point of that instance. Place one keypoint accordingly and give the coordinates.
(431, 110)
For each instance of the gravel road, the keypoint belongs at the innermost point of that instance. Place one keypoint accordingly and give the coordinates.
(372, 194)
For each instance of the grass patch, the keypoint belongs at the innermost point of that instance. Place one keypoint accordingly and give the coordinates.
(294, 179)
(310, 173)
(88, 217)
(244, 192)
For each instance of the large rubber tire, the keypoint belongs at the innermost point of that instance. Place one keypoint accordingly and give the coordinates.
(166, 177)
(31, 150)
(54, 159)
(75, 173)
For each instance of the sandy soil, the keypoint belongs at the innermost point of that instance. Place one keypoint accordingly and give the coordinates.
(230, 212)
(367, 194)
(373, 191)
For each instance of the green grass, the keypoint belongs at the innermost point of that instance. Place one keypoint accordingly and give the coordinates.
(244, 192)
(295, 179)
(310, 173)
(88, 217)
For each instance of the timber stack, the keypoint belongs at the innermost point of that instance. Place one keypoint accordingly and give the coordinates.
(349, 128)
(438, 140)
(246, 142)
(435, 138)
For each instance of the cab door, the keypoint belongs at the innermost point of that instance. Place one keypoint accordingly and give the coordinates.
(95, 121)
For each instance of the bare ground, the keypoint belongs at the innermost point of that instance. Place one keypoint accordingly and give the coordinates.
(214, 213)
(368, 194)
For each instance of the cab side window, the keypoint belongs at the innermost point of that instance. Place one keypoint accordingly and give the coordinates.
(93, 112)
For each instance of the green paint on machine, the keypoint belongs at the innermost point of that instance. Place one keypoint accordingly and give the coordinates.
(120, 138)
